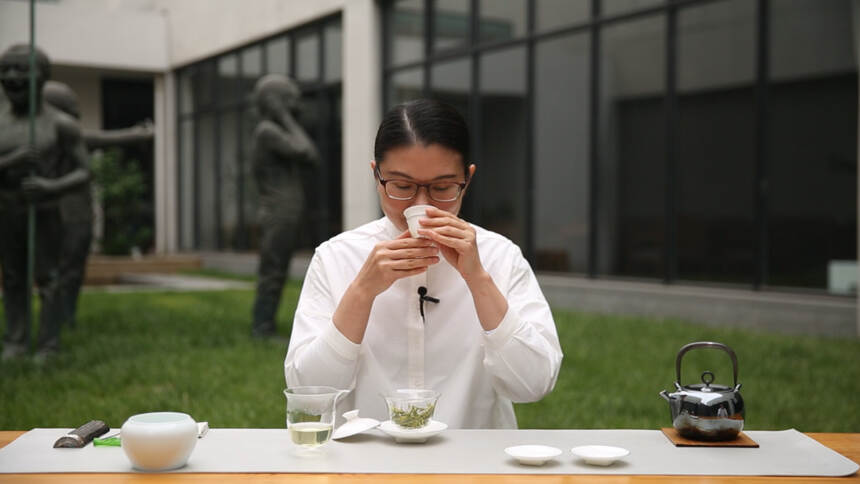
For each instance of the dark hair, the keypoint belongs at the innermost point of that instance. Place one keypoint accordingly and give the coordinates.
(424, 121)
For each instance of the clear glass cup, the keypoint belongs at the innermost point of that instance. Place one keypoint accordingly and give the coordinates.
(411, 409)
(311, 413)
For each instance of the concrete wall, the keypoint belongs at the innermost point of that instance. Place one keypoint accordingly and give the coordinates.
(91, 33)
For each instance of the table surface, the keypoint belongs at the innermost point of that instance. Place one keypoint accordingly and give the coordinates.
(846, 444)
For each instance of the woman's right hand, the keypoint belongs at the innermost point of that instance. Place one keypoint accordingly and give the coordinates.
(395, 259)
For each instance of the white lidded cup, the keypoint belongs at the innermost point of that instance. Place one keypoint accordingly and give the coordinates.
(159, 441)
(412, 215)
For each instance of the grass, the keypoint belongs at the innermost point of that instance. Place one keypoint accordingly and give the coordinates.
(191, 352)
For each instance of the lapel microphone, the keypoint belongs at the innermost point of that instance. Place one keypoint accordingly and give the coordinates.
(422, 296)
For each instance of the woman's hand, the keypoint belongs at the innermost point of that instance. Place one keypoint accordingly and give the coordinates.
(395, 259)
(456, 240)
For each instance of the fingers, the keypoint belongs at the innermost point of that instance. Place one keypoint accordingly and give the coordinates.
(455, 242)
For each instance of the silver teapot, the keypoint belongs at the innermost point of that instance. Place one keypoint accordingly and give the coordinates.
(705, 411)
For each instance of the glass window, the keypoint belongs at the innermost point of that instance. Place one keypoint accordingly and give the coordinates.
(186, 189)
(632, 152)
(186, 93)
(716, 151)
(333, 47)
(278, 56)
(229, 179)
(451, 83)
(811, 142)
(203, 85)
(228, 80)
(552, 14)
(406, 27)
(206, 183)
(499, 188)
(452, 21)
(252, 69)
(307, 57)
(561, 153)
(502, 20)
(615, 7)
(405, 85)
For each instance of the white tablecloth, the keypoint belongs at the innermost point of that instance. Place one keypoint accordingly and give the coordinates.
(781, 453)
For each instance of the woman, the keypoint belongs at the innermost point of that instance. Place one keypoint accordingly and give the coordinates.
(458, 311)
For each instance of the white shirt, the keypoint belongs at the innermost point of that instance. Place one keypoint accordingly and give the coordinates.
(478, 373)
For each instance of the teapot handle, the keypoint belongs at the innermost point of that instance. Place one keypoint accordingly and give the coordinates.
(706, 344)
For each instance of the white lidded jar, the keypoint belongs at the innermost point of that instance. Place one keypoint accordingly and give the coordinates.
(159, 441)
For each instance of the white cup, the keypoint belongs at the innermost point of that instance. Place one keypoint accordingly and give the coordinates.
(412, 215)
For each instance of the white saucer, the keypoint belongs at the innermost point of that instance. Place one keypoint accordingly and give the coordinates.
(412, 436)
(532, 455)
(599, 455)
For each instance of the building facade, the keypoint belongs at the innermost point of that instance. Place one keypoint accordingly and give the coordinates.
(688, 142)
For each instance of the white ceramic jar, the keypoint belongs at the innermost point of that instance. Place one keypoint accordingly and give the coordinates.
(159, 441)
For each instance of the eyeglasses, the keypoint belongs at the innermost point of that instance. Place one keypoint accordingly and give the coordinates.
(443, 191)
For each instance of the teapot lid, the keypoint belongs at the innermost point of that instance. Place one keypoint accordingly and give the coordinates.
(706, 385)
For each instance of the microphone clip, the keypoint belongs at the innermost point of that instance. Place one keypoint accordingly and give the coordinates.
(422, 296)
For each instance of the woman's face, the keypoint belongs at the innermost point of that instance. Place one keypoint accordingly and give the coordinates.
(420, 164)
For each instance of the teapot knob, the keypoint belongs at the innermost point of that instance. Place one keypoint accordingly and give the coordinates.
(707, 381)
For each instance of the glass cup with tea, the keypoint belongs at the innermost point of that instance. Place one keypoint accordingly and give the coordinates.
(311, 414)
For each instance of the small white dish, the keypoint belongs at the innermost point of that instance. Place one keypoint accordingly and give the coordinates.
(354, 425)
(599, 455)
(413, 436)
(532, 455)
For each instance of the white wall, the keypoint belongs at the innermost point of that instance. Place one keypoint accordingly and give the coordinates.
(201, 28)
(91, 33)
(87, 85)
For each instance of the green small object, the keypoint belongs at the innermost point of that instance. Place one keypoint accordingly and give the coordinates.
(109, 442)
(414, 418)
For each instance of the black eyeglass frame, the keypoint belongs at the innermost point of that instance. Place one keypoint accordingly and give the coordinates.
(382, 181)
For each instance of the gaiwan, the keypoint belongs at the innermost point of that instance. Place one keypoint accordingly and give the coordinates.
(159, 441)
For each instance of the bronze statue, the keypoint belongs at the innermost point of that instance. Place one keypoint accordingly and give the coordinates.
(76, 206)
(33, 174)
(281, 150)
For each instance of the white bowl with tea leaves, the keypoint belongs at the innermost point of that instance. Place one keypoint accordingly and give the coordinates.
(411, 408)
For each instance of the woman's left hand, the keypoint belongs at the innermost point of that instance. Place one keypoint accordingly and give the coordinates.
(456, 240)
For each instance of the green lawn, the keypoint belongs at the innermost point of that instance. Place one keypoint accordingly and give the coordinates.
(191, 352)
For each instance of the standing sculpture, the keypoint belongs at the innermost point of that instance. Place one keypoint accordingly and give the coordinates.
(33, 174)
(281, 150)
(76, 206)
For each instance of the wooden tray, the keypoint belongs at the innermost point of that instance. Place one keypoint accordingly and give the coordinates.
(741, 441)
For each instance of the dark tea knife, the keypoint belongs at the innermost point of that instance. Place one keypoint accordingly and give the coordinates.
(82, 435)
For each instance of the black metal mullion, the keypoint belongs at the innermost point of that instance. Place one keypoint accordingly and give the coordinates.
(475, 110)
(670, 248)
(179, 160)
(594, 144)
(216, 112)
(429, 9)
(530, 118)
(243, 229)
(761, 153)
(292, 66)
(196, 183)
(386, 57)
(322, 192)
